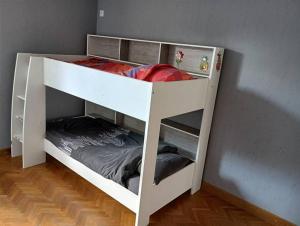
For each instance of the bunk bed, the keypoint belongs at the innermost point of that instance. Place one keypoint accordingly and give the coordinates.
(121, 102)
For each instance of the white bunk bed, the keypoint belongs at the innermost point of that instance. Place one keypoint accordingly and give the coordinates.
(149, 103)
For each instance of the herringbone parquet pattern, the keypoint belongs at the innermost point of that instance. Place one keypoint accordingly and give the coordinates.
(52, 195)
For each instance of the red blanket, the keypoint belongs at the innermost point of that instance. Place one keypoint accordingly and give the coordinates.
(150, 73)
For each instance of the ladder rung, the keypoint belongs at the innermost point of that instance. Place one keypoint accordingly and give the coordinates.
(21, 97)
(20, 117)
(19, 138)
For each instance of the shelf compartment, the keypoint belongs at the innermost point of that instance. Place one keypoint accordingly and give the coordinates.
(106, 47)
(141, 52)
(191, 59)
(181, 127)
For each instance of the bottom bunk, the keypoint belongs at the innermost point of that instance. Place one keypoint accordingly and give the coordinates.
(110, 156)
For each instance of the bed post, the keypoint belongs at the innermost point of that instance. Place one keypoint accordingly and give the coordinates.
(34, 115)
(207, 116)
(146, 188)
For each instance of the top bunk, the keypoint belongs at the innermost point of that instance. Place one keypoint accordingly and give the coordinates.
(135, 97)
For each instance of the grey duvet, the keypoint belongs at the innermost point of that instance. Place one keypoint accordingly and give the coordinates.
(110, 150)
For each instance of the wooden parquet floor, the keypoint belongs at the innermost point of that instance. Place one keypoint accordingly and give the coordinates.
(52, 195)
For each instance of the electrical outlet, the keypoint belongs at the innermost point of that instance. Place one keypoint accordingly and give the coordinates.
(101, 13)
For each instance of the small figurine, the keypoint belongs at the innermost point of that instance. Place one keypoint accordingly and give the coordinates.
(204, 64)
(219, 62)
(179, 57)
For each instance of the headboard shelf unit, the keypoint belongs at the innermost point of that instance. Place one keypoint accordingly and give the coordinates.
(140, 52)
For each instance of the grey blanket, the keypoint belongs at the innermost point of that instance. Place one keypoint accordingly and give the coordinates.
(109, 150)
(117, 164)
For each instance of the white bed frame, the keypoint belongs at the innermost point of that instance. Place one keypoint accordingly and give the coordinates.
(145, 101)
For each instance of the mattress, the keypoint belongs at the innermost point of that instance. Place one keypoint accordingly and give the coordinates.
(110, 150)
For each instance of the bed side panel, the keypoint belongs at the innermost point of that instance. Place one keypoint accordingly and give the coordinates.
(175, 98)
